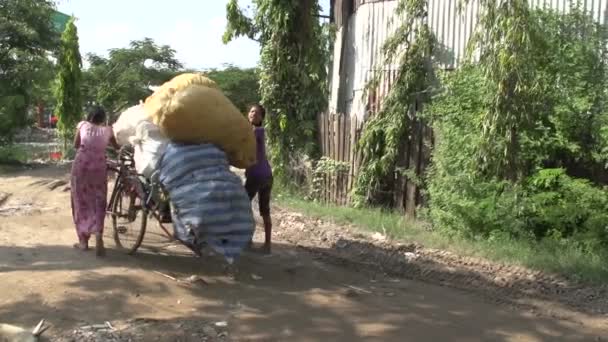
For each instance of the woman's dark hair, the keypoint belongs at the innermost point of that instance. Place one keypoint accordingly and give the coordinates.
(97, 115)
(261, 109)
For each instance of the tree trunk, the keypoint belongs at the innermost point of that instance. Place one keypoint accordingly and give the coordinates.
(40, 114)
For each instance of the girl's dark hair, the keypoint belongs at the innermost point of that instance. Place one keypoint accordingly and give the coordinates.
(97, 115)
(261, 109)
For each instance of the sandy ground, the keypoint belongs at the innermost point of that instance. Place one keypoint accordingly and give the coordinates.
(314, 287)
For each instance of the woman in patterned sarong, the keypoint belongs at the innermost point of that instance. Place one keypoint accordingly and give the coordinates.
(89, 179)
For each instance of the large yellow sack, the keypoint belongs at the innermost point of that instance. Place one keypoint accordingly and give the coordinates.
(163, 94)
(178, 82)
(190, 108)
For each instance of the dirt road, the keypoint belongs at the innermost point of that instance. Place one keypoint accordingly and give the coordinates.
(300, 293)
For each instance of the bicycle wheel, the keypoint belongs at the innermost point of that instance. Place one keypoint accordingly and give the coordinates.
(129, 220)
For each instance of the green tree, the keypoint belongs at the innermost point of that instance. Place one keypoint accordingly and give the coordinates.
(293, 72)
(43, 88)
(506, 36)
(573, 69)
(27, 37)
(122, 79)
(69, 82)
(241, 86)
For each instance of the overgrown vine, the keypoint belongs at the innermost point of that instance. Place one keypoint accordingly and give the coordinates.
(293, 72)
(384, 134)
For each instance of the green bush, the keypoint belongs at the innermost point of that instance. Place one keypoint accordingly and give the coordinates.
(559, 207)
(12, 116)
(561, 156)
(462, 199)
(12, 154)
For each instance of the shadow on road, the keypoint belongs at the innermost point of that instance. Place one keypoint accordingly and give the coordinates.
(296, 296)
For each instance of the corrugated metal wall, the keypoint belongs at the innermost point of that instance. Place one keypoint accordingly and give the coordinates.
(373, 22)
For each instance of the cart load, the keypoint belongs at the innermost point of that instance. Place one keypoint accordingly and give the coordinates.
(134, 127)
(191, 109)
(148, 147)
(209, 205)
(124, 127)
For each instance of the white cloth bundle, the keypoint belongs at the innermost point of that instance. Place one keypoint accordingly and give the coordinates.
(149, 144)
(124, 127)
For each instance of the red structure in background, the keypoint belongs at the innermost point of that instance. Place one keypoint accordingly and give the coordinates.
(55, 156)
(53, 121)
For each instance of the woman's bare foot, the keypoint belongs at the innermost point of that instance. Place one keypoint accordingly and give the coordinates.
(81, 246)
(100, 249)
(266, 249)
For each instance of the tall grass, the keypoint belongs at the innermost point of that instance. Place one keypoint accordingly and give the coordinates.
(560, 258)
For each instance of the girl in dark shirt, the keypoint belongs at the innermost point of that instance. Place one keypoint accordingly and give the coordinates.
(259, 176)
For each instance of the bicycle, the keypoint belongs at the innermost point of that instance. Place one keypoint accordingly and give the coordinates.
(143, 201)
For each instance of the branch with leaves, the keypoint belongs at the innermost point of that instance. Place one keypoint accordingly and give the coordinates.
(504, 40)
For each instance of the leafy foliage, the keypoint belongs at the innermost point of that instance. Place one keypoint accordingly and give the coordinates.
(461, 199)
(573, 69)
(122, 79)
(239, 85)
(69, 82)
(26, 38)
(385, 133)
(293, 74)
(548, 188)
(44, 77)
(505, 37)
(325, 167)
(561, 207)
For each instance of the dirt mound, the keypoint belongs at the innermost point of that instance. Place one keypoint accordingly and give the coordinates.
(10, 206)
(52, 184)
(148, 330)
(29, 199)
(380, 256)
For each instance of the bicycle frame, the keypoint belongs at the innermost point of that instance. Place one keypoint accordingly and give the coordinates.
(128, 178)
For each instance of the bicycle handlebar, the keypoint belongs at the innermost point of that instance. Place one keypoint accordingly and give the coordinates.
(125, 157)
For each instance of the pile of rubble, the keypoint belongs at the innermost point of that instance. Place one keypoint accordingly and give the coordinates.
(149, 330)
(382, 256)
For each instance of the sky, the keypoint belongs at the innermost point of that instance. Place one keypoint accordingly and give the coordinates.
(193, 28)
